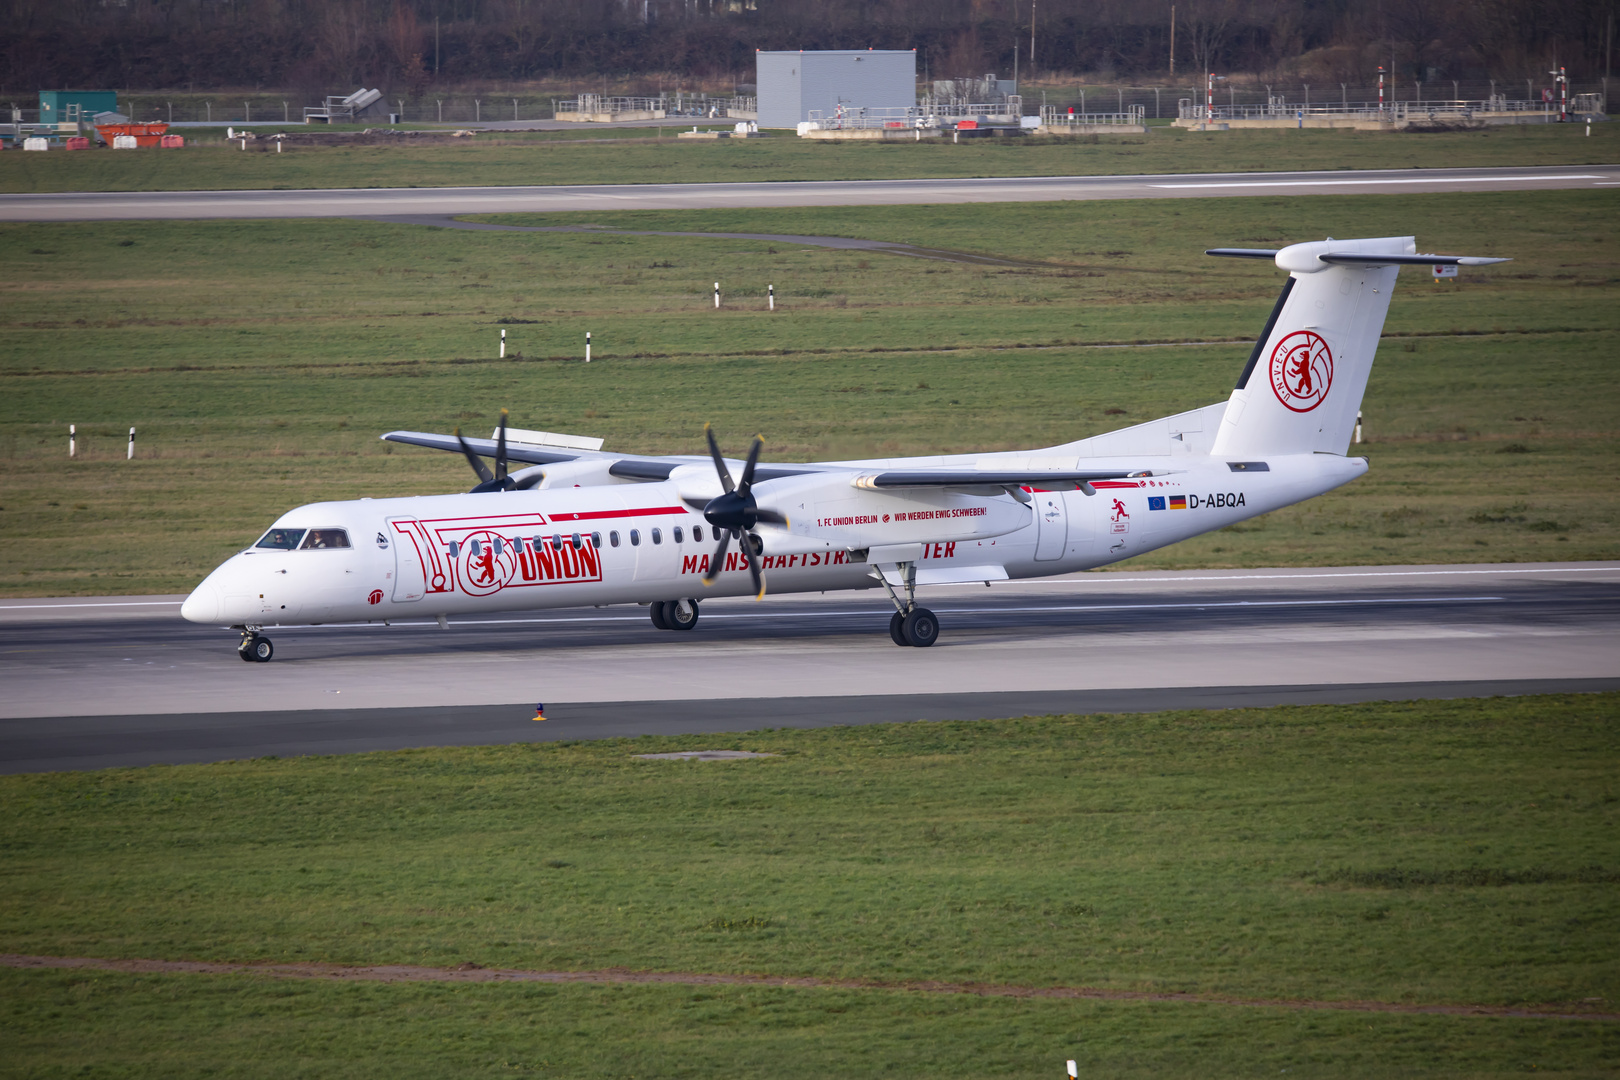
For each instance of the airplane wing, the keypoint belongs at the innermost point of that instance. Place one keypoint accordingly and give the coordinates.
(1046, 479)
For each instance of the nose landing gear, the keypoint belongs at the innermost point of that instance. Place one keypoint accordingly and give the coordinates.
(255, 647)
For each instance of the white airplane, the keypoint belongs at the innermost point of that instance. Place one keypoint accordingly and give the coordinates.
(582, 527)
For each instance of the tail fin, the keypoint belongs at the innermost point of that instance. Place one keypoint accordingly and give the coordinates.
(1304, 381)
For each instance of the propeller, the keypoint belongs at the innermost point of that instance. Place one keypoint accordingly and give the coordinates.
(734, 511)
(498, 480)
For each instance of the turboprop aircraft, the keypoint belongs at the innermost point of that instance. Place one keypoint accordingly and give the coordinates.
(578, 526)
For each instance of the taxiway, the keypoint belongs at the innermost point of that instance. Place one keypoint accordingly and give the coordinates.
(393, 202)
(94, 682)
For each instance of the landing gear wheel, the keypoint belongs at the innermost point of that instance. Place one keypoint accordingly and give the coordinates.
(256, 649)
(681, 614)
(659, 611)
(920, 627)
(896, 622)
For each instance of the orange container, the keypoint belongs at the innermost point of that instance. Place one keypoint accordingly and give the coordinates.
(145, 134)
(967, 125)
(76, 142)
(172, 142)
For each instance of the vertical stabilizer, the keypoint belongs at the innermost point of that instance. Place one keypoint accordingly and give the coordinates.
(1303, 384)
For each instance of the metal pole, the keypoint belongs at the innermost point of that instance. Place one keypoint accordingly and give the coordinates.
(1172, 40)
(514, 110)
(131, 455)
(1380, 92)
(440, 105)
(284, 113)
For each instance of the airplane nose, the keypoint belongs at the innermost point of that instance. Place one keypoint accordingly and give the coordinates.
(202, 606)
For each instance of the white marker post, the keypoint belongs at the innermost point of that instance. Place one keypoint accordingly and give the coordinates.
(717, 296)
(587, 346)
(1358, 427)
(771, 291)
(503, 344)
(131, 455)
(1074, 1069)
(73, 440)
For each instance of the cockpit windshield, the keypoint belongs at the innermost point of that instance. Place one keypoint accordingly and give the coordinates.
(326, 538)
(281, 539)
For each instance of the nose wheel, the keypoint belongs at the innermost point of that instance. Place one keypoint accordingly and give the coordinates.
(255, 647)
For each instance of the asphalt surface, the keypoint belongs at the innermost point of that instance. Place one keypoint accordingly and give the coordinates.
(199, 205)
(93, 683)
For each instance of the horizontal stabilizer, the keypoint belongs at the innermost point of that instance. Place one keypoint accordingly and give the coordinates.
(1320, 259)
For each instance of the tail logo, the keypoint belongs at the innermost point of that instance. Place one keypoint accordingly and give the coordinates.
(1301, 370)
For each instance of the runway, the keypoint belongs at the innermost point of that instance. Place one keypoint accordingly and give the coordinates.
(393, 202)
(93, 683)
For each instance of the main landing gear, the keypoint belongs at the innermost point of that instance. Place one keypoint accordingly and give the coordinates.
(673, 614)
(910, 625)
(255, 647)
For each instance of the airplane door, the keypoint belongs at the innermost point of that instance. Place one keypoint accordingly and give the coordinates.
(411, 559)
(1051, 513)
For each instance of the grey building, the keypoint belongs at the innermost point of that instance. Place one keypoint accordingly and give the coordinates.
(793, 83)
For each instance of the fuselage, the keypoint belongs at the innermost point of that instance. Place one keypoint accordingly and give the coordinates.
(638, 543)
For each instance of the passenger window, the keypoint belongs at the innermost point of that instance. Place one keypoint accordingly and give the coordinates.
(596, 540)
(556, 541)
(326, 538)
(473, 546)
(678, 537)
(498, 545)
(575, 541)
(635, 537)
(281, 539)
(697, 533)
(658, 536)
(537, 543)
(613, 537)
(455, 550)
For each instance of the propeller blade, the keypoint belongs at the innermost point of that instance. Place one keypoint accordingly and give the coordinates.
(753, 566)
(769, 516)
(748, 469)
(500, 450)
(719, 561)
(474, 460)
(719, 462)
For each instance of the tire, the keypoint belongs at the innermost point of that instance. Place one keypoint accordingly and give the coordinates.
(921, 628)
(261, 650)
(896, 631)
(660, 618)
(681, 614)
(245, 650)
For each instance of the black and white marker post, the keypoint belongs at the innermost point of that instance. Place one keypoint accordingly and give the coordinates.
(503, 344)
(73, 440)
(717, 296)
(770, 290)
(587, 346)
(131, 455)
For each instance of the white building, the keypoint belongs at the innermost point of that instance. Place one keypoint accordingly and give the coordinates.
(791, 84)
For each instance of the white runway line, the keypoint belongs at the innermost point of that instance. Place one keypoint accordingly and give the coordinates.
(1392, 180)
(112, 603)
(877, 609)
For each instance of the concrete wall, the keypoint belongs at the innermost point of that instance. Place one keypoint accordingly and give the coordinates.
(791, 84)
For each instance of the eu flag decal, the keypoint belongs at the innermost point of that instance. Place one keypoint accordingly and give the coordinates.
(1155, 502)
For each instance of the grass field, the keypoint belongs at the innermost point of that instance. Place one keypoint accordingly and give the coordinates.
(1457, 852)
(655, 156)
(260, 360)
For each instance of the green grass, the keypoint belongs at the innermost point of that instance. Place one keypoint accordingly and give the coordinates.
(1456, 852)
(660, 157)
(259, 361)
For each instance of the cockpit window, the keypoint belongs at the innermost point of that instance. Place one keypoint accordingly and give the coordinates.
(281, 539)
(325, 538)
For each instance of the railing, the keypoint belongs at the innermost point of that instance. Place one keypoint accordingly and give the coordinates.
(1054, 116)
(676, 104)
(1362, 110)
